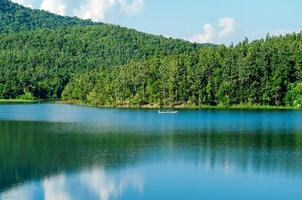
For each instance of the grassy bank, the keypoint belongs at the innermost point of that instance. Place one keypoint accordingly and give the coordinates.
(18, 101)
(259, 107)
(188, 107)
(156, 106)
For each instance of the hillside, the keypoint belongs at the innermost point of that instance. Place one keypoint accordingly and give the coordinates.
(41, 60)
(46, 56)
(263, 72)
(14, 17)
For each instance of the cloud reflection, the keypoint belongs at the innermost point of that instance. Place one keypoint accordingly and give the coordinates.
(55, 188)
(107, 187)
(95, 182)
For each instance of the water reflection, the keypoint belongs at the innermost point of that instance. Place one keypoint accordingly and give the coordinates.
(149, 121)
(42, 160)
(94, 183)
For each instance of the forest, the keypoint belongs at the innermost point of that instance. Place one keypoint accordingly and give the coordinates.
(263, 72)
(14, 17)
(44, 56)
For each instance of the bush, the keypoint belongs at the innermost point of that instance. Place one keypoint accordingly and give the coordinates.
(27, 96)
(294, 95)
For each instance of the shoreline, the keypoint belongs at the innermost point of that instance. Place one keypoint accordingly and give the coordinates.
(19, 101)
(186, 107)
(154, 106)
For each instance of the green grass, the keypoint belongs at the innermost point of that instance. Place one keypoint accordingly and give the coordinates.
(203, 107)
(18, 101)
(239, 107)
(261, 107)
(190, 107)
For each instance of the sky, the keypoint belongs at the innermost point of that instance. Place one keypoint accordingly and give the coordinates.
(201, 21)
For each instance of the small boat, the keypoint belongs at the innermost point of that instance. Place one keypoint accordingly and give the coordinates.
(167, 112)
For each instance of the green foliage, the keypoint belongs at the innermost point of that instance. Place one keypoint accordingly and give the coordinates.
(223, 94)
(14, 17)
(26, 96)
(39, 51)
(53, 57)
(294, 95)
(43, 61)
(259, 73)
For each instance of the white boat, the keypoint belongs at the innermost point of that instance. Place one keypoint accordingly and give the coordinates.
(167, 112)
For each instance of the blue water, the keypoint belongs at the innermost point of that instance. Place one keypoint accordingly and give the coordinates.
(52, 151)
(150, 120)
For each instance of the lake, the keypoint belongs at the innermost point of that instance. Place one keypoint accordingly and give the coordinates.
(52, 151)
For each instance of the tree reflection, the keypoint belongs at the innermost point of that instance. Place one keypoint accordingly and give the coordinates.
(32, 151)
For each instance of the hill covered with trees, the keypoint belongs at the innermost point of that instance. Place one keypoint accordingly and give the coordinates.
(49, 57)
(263, 72)
(40, 59)
(14, 17)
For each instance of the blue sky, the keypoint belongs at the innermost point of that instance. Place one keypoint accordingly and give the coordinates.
(218, 21)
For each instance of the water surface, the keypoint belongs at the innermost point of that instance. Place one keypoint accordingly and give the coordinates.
(70, 152)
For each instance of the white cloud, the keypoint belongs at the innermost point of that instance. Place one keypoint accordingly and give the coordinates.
(226, 28)
(55, 188)
(206, 36)
(97, 182)
(97, 9)
(107, 187)
(55, 6)
(133, 8)
(94, 9)
(26, 3)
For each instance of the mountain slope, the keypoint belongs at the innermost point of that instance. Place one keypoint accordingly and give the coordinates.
(47, 56)
(42, 61)
(263, 72)
(14, 17)
(41, 51)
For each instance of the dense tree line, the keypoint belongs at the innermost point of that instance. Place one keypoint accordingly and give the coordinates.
(41, 61)
(43, 56)
(263, 72)
(40, 51)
